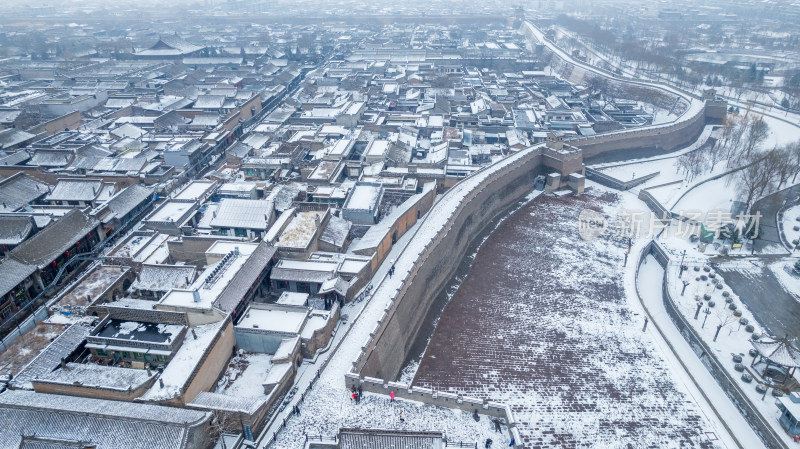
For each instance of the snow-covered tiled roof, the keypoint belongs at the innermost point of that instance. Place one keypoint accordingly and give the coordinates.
(14, 229)
(98, 376)
(162, 278)
(107, 424)
(217, 401)
(243, 213)
(50, 358)
(19, 190)
(53, 240)
(128, 199)
(76, 190)
(245, 277)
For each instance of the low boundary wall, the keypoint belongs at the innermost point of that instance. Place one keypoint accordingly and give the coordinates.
(706, 355)
(610, 181)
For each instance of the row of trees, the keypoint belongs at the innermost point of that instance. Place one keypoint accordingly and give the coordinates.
(768, 172)
(740, 138)
(741, 145)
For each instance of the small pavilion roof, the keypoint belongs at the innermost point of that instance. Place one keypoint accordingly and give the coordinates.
(778, 351)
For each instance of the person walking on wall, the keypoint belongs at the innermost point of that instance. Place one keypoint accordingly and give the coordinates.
(391, 396)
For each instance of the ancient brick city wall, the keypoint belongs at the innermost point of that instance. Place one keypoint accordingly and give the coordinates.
(462, 214)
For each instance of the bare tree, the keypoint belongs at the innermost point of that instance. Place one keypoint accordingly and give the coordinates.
(752, 178)
(723, 319)
(713, 153)
(734, 140)
(794, 159)
(785, 168)
(757, 132)
(220, 421)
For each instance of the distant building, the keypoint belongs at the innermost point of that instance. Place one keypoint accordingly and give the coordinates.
(170, 47)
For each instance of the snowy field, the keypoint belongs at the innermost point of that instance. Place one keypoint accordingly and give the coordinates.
(717, 194)
(542, 323)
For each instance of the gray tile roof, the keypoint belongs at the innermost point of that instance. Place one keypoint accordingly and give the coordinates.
(53, 240)
(10, 137)
(243, 213)
(108, 424)
(50, 358)
(245, 277)
(76, 190)
(98, 376)
(209, 102)
(12, 273)
(162, 278)
(217, 401)
(388, 439)
(128, 199)
(51, 158)
(16, 158)
(19, 190)
(14, 229)
(33, 442)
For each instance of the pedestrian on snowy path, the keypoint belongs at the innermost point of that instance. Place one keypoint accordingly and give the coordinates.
(401, 417)
(488, 443)
(360, 393)
(497, 425)
(512, 443)
(391, 396)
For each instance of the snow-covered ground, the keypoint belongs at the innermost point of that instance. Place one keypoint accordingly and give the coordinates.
(727, 423)
(327, 405)
(791, 224)
(733, 335)
(789, 281)
(542, 324)
(717, 194)
(245, 375)
(781, 133)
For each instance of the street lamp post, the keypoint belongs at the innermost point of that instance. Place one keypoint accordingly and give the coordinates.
(683, 254)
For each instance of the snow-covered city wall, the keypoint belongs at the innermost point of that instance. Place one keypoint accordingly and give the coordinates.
(707, 357)
(669, 136)
(425, 267)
